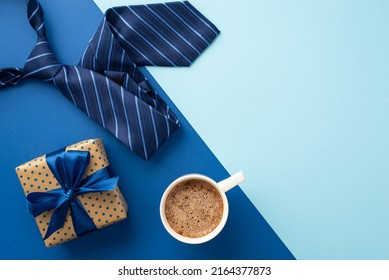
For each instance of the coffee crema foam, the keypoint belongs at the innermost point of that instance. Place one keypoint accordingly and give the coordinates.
(194, 208)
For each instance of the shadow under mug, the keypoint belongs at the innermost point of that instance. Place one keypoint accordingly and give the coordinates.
(221, 187)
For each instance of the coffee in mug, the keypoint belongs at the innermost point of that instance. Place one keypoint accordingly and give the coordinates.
(194, 208)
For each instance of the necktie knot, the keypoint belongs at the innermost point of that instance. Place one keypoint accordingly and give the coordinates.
(42, 63)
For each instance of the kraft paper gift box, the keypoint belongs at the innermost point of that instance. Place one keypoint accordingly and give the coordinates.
(84, 208)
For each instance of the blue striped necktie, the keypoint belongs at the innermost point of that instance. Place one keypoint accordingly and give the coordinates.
(107, 83)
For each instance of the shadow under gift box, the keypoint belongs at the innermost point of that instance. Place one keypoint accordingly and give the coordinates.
(104, 208)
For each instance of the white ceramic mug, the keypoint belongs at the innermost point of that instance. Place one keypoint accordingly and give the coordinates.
(221, 187)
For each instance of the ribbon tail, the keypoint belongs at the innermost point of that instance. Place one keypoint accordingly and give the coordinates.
(82, 223)
(58, 217)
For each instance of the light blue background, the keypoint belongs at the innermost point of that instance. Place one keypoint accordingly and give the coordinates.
(296, 94)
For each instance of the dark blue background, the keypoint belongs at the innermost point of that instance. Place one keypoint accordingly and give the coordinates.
(36, 119)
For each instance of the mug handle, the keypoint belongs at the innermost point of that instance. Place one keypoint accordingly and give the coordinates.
(231, 181)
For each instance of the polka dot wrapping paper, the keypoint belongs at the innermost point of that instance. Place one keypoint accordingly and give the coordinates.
(104, 208)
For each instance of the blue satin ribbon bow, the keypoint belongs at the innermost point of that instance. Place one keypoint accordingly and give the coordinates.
(69, 168)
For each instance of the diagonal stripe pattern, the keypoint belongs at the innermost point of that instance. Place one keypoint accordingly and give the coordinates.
(108, 84)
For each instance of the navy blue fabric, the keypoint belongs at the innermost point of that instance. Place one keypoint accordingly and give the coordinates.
(107, 84)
